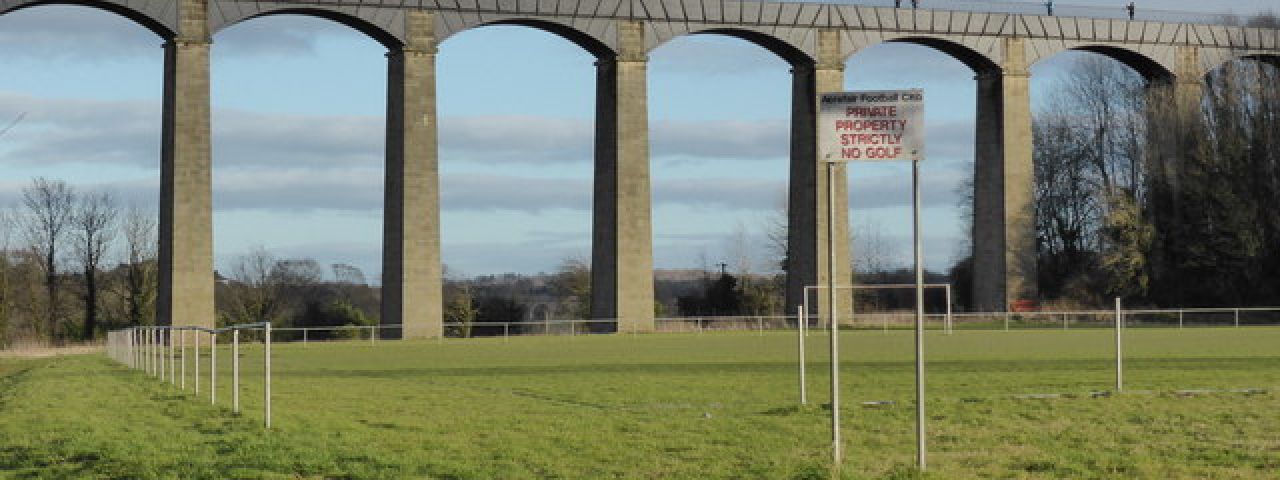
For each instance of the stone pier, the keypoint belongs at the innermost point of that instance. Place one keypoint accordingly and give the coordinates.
(807, 205)
(411, 274)
(622, 238)
(185, 294)
(1004, 235)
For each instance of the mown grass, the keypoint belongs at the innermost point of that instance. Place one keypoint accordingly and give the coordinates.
(664, 406)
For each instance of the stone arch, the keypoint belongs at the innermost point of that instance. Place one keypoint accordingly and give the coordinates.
(594, 42)
(160, 18)
(1150, 69)
(1156, 65)
(1272, 59)
(784, 47)
(977, 61)
(385, 26)
(980, 54)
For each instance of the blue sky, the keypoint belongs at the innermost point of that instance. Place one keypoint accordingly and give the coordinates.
(298, 137)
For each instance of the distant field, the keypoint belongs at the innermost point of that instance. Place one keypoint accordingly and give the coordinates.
(664, 406)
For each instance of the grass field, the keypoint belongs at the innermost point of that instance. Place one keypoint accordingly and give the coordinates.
(664, 406)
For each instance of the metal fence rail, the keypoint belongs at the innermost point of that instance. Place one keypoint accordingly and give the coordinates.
(161, 351)
(1061, 9)
(946, 322)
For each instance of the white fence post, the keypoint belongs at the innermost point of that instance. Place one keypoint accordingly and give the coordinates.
(155, 351)
(213, 367)
(173, 367)
(196, 335)
(267, 374)
(235, 371)
(182, 345)
(1179, 319)
(1237, 312)
(1119, 350)
(951, 327)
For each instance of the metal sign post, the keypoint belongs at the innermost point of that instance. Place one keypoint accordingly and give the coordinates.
(873, 126)
(836, 457)
(800, 326)
(919, 258)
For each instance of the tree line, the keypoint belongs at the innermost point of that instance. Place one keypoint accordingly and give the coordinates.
(1161, 202)
(74, 264)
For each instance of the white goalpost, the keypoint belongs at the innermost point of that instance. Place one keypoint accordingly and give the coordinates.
(948, 325)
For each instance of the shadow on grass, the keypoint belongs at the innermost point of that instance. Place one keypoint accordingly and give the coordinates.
(990, 366)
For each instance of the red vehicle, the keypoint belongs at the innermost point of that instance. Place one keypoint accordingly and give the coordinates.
(1020, 306)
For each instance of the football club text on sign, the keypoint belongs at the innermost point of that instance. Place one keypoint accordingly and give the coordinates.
(871, 126)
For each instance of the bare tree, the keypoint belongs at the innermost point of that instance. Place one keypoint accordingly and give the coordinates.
(297, 272)
(739, 251)
(93, 225)
(139, 230)
(7, 220)
(873, 254)
(348, 274)
(775, 226)
(572, 283)
(50, 207)
(1090, 147)
(255, 292)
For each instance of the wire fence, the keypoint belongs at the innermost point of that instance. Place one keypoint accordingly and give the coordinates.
(946, 322)
(161, 351)
(180, 356)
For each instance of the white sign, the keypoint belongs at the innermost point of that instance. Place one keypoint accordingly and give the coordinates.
(872, 126)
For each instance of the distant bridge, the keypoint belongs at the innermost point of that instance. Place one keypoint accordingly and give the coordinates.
(814, 38)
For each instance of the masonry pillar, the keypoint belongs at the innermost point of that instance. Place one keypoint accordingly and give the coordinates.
(622, 238)
(185, 290)
(1188, 81)
(1004, 235)
(807, 237)
(411, 275)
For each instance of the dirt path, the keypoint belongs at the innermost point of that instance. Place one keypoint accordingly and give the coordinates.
(45, 352)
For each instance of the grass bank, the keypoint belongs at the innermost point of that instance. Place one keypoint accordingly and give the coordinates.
(663, 406)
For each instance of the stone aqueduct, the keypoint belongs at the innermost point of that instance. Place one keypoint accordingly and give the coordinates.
(815, 39)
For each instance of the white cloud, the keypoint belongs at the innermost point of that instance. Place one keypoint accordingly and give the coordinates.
(80, 34)
(75, 33)
(307, 162)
